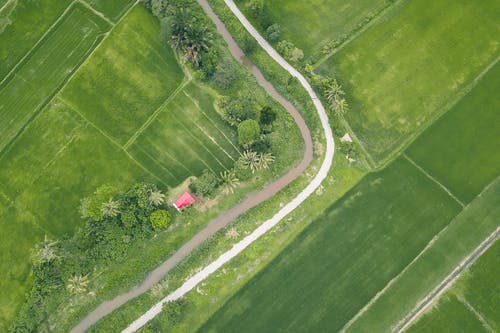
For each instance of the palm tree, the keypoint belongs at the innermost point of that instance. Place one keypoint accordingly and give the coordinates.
(229, 180)
(264, 160)
(341, 106)
(156, 198)
(45, 252)
(250, 160)
(110, 208)
(232, 233)
(77, 284)
(333, 92)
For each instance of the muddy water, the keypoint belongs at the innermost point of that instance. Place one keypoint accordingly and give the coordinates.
(225, 218)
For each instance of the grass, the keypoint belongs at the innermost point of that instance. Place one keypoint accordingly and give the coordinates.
(464, 155)
(46, 70)
(471, 305)
(401, 73)
(344, 258)
(111, 9)
(311, 24)
(126, 79)
(197, 138)
(22, 24)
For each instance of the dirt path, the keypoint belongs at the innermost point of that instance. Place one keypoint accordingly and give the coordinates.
(447, 282)
(225, 218)
(275, 187)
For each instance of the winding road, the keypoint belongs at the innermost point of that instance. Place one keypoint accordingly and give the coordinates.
(251, 201)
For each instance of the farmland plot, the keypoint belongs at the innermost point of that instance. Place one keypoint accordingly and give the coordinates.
(186, 137)
(47, 68)
(344, 258)
(22, 24)
(126, 79)
(401, 73)
(111, 9)
(471, 305)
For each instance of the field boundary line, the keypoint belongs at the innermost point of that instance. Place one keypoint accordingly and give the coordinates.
(424, 304)
(11, 202)
(355, 34)
(5, 5)
(153, 144)
(154, 160)
(50, 97)
(195, 102)
(394, 279)
(441, 111)
(72, 107)
(156, 112)
(96, 12)
(201, 142)
(479, 316)
(49, 30)
(433, 179)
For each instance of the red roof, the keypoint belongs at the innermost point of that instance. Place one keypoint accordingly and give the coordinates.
(184, 200)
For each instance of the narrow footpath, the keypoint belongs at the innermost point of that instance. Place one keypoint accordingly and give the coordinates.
(225, 218)
(288, 208)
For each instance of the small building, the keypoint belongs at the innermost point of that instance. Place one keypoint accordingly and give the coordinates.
(346, 138)
(184, 201)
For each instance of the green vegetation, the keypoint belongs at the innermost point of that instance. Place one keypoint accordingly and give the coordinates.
(114, 222)
(471, 305)
(312, 25)
(465, 155)
(344, 258)
(46, 69)
(128, 77)
(467, 230)
(196, 134)
(111, 9)
(22, 24)
(400, 74)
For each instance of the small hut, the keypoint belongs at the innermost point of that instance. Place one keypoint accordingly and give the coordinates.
(184, 201)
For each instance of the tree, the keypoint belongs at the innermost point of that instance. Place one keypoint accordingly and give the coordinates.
(159, 219)
(156, 198)
(238, 109)
(45, 252)
(110, 208)
(296, 54)
(267, 115)
(248, 132)
(77, 284)
(264, 160)
(206, 184)
(341, 106)
(250, 160)
(274, 32)
(92, 206)
(229, 180)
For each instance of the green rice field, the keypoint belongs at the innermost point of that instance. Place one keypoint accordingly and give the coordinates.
(471, 305)
(84, 110)
(344, 258)
(22, 24)
(465, 155)
(403, 72)
(38, 78)
(111, 9)
(310, 24)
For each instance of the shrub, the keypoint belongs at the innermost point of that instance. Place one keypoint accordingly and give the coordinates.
(274, 32)
(248, 132)
(159, 219)
(91, 206)
(206, 184)
(267, 115)
(241, 170)
(239, 109)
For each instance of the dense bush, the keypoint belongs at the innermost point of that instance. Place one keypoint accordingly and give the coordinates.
(248, 132)
(159, 219)
(274, 32)
(206, 184)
